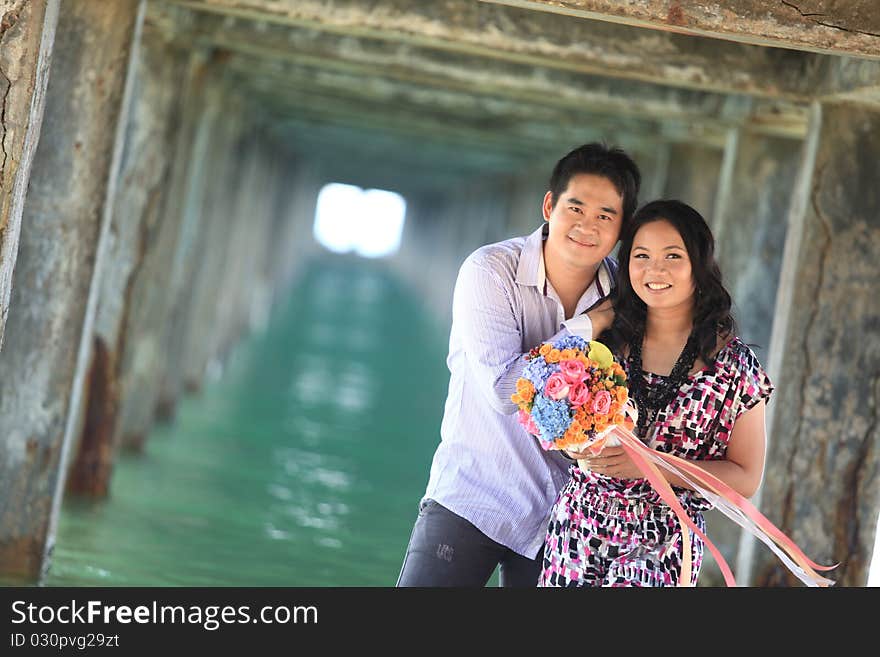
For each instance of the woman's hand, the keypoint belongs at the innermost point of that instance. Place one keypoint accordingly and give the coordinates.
(611, 462)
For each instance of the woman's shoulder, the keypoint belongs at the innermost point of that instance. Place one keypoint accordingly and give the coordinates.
(737, 357)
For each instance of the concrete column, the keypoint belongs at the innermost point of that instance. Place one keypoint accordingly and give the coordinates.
(215, 247)
(64, 226)
(757, 178)
(655, 168)
(822, 486)
(218, 123)
(149, 170)
(27, 35)
(749, 249)
(295, 218)
(693, 176)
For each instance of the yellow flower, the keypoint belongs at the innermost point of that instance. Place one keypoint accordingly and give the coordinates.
(600, 354)
(545, 349)
(553, 356)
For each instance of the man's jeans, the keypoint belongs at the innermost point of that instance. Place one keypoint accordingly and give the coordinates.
(447, 550)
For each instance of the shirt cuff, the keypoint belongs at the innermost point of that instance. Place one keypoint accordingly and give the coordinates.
(580, 325)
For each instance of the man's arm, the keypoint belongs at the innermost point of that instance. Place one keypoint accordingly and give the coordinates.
(490, 327)
(484, 315)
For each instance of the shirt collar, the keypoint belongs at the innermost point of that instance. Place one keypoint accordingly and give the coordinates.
(531, 261)
(531, 269)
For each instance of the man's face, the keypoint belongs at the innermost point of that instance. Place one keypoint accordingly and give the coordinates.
(584, 223)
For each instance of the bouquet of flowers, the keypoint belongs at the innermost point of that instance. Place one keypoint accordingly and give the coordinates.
(572, 394)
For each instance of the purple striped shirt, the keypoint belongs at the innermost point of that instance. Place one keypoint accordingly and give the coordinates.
(487, 469)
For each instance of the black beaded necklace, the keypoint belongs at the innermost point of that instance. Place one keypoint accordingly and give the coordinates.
(651, 398)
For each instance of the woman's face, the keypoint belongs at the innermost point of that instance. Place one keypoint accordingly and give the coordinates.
(659, 267)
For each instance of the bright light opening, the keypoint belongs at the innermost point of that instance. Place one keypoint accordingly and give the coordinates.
(366, 221)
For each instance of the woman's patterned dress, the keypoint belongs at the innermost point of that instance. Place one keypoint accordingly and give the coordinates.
(606, 531)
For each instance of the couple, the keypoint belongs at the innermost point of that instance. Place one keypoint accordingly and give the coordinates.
(494, 496)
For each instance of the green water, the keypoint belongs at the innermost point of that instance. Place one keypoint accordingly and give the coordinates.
(301, 466)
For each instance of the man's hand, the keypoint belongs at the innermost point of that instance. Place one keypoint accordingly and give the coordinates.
(601, 317)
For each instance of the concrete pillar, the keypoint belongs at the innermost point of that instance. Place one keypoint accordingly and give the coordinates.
(215, 247)
(297, 199)
(757, 176)
(655, 169)
(749, 249)
(693, 176)
(822, 486)
(148, 172)
(163, 274)
(242, 283)
(216, 120)
(27, 35)
(64, 226)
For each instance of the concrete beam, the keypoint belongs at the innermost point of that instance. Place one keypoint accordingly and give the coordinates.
(282, 50)
(516, 34)
(27, 34)
(842, 27)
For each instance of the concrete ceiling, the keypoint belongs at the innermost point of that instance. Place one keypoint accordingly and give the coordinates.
(430, 93)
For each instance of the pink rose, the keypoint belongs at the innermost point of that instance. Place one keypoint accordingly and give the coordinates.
(557, 386)
(579, 394)
(525, 419)
(602, 402)
(573, 371)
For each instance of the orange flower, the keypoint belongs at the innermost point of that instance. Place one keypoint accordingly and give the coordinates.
(621, 394)
(618, 418)
(553, 356)
(601, 424)
(545, 349)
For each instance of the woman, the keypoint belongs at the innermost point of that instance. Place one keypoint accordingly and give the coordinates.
(700, 393)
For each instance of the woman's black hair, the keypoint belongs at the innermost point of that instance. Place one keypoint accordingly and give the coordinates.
(712, 316)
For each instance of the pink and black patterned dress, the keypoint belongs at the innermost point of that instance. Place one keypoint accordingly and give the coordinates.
(606, 531)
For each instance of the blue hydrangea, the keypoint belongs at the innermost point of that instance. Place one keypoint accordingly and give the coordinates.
(538, 371)
(572, 342)
(551, 416)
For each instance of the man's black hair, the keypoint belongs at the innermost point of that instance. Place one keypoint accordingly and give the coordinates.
(600, 160)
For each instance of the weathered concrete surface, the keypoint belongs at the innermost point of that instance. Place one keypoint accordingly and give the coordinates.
(822, 487)
(839, 27)
(294, 224)
(44, 359)
(545, 39)
(243, 283)
(144, 178)
(164, 277)
(309, 57)
(750, 236)
(196, 326)
(693, 176)
(750, 233)
(27, 33)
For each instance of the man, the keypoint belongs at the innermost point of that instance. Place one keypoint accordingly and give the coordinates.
(491, 485)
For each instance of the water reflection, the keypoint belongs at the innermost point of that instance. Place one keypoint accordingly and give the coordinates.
(302, 466)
